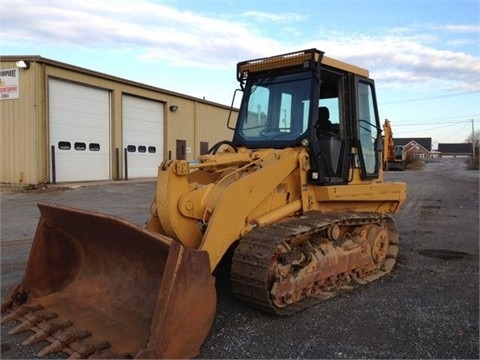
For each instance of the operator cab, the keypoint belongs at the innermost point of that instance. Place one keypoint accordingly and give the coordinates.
(303, 99)
(274, 110)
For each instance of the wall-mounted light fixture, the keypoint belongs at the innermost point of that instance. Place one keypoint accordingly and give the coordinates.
(173, 108)
(23, 64)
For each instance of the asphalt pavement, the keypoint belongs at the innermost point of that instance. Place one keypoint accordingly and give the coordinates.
(427, 308)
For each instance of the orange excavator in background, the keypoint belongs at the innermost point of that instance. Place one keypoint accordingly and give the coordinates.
(297, 196)
(394, 157)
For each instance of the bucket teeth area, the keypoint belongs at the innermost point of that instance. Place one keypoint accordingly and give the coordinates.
(19, 312)
(60, 333)
(62, 341)
(45, 330)
(30, 320)
(83, 351)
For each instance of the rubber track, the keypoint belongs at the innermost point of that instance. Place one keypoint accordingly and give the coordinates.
(250, 264)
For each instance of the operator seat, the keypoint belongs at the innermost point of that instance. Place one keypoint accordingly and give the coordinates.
(324, 125)
(330, 145)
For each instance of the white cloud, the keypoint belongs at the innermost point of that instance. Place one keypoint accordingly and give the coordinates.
(410, 57)
(409, 60)
(283, 18)
(471, 28)
(157, 31)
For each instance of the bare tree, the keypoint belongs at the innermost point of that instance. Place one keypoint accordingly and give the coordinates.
(474, 139)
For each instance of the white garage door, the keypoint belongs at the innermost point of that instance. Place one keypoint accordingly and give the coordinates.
(142, 135)
(79, 131)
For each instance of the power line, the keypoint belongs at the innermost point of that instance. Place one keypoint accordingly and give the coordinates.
(436, 123)
(428, 98)
(458, 119)
(455, 133)
(436, 134)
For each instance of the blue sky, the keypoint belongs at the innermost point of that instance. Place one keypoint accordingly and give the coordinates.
(424, 55)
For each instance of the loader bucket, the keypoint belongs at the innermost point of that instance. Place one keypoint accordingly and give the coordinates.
(98, 286)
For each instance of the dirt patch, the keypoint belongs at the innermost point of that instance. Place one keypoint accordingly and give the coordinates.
(443, 254)
(474, 164)
(415, 164)
(33, 189)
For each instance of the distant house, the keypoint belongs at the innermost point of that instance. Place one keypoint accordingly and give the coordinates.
(435, 154)
(415, 147)
(455, 150)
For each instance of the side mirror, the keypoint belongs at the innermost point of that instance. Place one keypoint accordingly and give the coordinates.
(231, 108)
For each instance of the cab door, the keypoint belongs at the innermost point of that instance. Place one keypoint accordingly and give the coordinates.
(369, 133)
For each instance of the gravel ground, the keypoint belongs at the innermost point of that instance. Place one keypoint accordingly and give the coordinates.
(426, 308)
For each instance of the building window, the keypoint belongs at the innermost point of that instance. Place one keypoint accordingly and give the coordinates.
(64, 145)
(81, 146)
(94, 147)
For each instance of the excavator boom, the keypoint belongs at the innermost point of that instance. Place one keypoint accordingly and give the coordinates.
(393, 155)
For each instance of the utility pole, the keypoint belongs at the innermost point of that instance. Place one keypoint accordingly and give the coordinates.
(473, 140)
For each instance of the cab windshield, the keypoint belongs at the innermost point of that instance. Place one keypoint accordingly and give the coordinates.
(276, 111)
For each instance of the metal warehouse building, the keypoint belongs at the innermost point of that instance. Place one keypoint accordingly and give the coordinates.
(63, 123)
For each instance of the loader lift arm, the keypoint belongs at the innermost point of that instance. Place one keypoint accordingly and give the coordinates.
(187, 207)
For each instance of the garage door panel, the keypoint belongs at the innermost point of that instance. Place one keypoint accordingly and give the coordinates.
(142, 135)
(79, 131)
(83, 165)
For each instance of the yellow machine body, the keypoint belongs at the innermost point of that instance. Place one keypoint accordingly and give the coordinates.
(297, 196)
(234, 192)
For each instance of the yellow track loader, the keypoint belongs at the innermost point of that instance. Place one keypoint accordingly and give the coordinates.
(297, 196)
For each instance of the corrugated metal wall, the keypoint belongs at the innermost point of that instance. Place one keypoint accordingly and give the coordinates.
(211, 125)
(21, 129)
(197, 122)
(24, 151)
